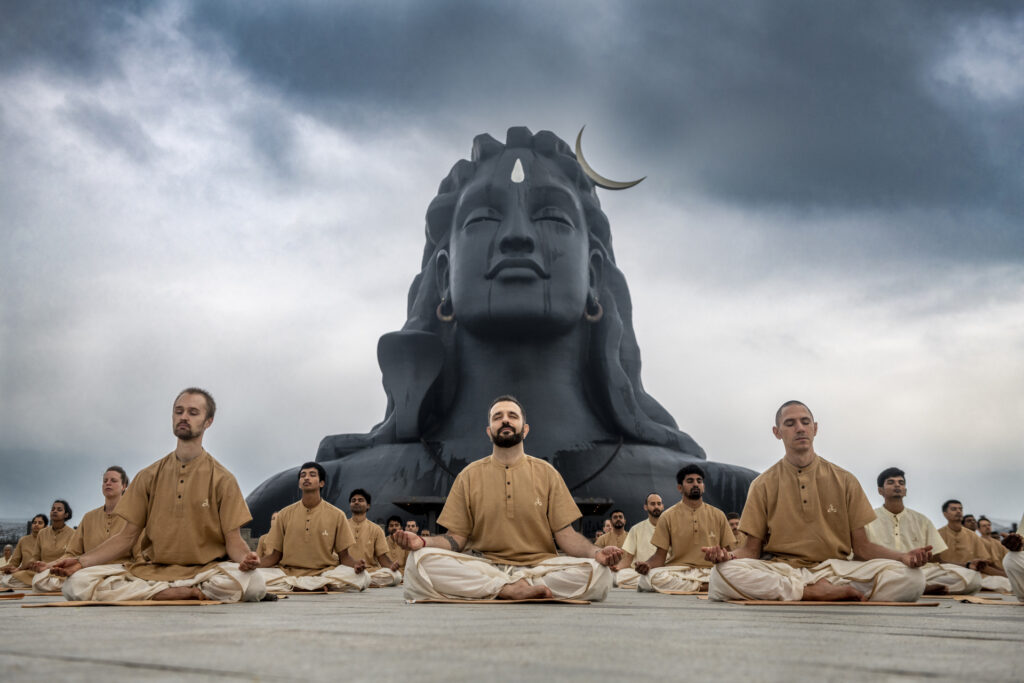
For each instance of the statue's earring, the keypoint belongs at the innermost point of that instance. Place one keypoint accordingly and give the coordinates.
(444, 312)
(593, 312)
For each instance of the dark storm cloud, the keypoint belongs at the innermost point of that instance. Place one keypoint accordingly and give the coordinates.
(75, 39)
(791, 103)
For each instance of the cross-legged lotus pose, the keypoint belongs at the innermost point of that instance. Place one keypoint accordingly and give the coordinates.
(506, 512)
(810, 515)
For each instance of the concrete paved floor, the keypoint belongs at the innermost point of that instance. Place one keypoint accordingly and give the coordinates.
(375, 636)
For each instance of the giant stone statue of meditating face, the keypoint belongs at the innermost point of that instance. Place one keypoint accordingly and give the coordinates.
(518, 293)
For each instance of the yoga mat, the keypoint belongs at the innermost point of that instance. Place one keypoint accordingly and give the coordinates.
(129, 603)
(564, 601)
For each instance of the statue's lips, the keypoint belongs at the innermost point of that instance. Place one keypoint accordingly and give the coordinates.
(520, 262)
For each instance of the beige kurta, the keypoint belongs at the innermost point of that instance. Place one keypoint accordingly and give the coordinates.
(310, 539)
(369, 543)
(261, 545)
(808, 514)
(28, 546)
(996, 551)
(52, 544)
(95, 528)
(638, 542)
(963, 546)
(397, 554)
(186, 510)
(616, 538)
(683, 531)
(909, 529)
(509, 513)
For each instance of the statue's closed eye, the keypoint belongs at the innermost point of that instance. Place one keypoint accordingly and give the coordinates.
(553, 214)
(479, 216)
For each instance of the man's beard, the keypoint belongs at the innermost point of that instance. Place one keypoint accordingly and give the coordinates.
(694, 493)
(655, 513)
(618, 525)
(502, 441)
(186, 434)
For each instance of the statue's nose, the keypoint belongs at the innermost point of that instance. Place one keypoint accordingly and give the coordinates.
(515, 234)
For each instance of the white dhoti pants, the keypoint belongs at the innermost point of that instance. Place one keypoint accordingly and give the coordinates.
(10, 581)
(1013, 565)
(112, 582)
(880, 580)
(674, 578)
(1000, 584)
(45, 582)
(956, 580)
(434, 573)
(340, 578)
(382, 577)
(626, 578)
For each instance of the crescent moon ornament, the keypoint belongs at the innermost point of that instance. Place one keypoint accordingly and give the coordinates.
(598, 179)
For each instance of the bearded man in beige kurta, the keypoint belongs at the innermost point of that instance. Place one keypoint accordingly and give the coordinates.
(371, 545)
(678, 563)
(966, 549)
(310, 541)
(191, 509)
(396, 553)
(813, 515)
(506, 512)
(901, 529)
(96, 527)
(637, 545)
(617, 535)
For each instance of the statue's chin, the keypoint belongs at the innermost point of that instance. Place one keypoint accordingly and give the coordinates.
(519, 324)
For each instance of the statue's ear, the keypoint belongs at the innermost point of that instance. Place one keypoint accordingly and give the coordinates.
(441, 271)
(596, 274)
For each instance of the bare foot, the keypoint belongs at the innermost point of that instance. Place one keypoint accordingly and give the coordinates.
(180, 593)
(936, 589)
(521, 590)
(823, 591)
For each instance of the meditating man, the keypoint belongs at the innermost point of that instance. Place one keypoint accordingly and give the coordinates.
(966, 549)
(810, 515)
(371, 545)
(96, 527)
(191, 509)
(616, 536)
(310, 540)
(507, 511)
(678, 563)
(396, 553)
(901, 529)
(638, 544)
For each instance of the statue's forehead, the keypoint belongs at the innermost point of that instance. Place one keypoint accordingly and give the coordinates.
(499, 180)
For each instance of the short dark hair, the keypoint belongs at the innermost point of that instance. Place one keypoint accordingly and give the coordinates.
(733, 515)
(688, 470)
(648, 496)
(119, 470)
(395, 518)
(983, 518)
(794, 402)
(890, 472)
(360, 492)
(622, 511)
(211, 405)
(951, 501)
(67, 508)
(510, 398)
(320, 471)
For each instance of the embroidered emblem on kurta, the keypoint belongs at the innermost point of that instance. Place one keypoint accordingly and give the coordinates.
(206, 502)
(832, 508)
(324, 532)
(538, 502)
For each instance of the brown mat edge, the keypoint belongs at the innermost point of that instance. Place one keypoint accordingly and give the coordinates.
(846, 603)
(683, 592)
(975, 600)
(129, 603)
(433, 601)
(12, 596)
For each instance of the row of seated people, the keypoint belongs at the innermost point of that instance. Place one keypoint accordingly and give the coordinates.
(507, 517)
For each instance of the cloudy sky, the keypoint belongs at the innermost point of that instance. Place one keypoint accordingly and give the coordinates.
(232, 195)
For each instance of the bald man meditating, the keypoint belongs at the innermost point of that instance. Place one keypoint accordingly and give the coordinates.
(810, 515)
(504, 515)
